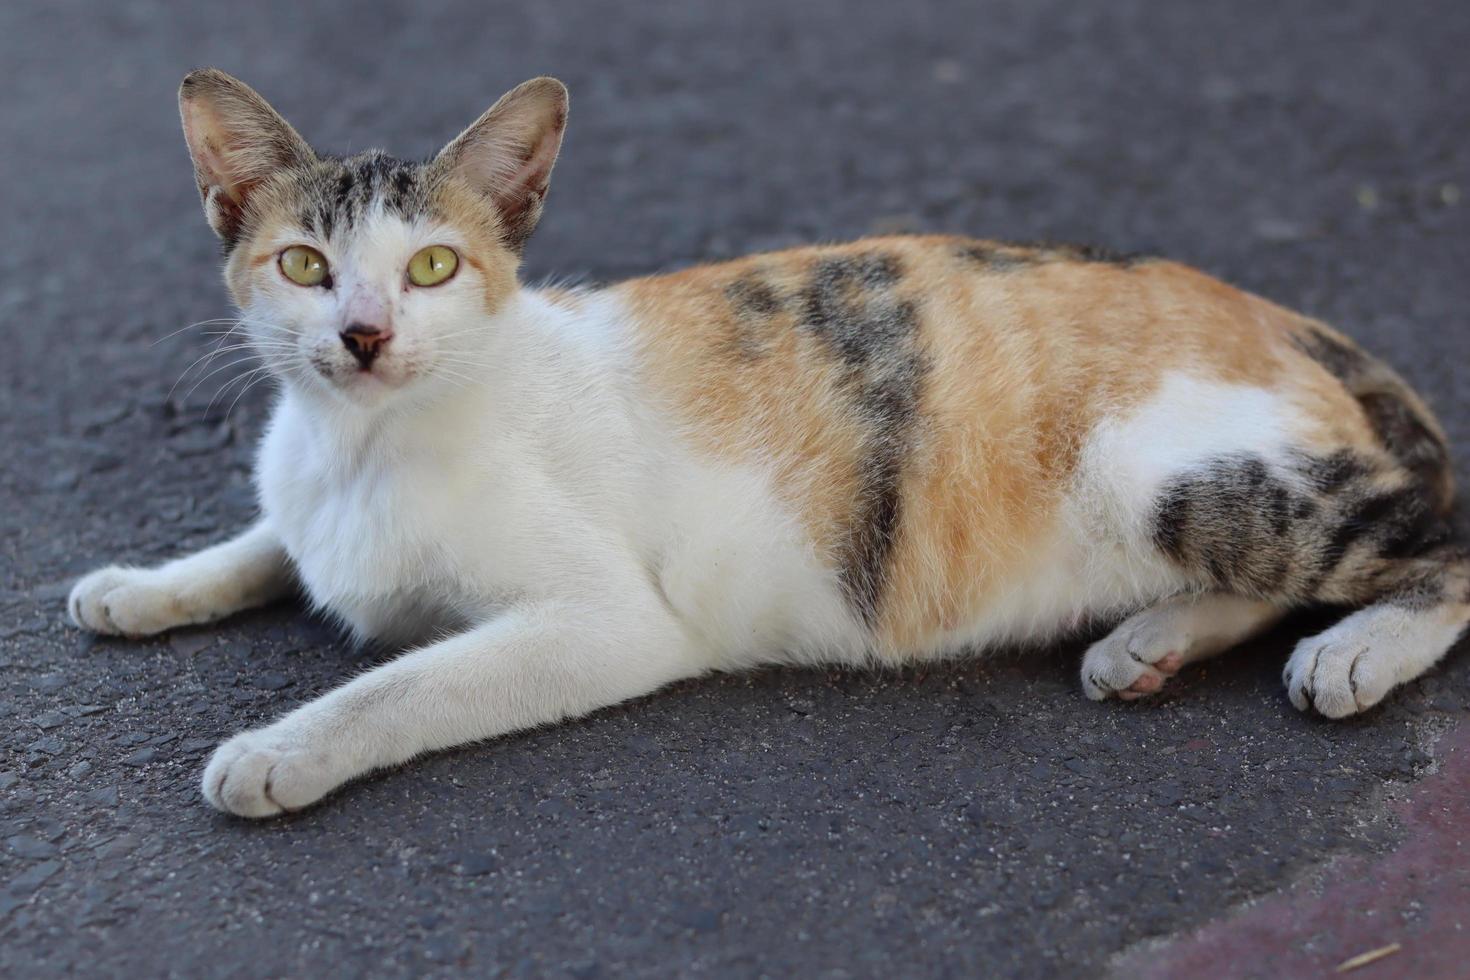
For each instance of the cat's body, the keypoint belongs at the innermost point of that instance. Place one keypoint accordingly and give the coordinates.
(883, 451)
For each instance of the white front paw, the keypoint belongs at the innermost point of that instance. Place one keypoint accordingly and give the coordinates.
(129, 602)
(120, 601)
(265, 773)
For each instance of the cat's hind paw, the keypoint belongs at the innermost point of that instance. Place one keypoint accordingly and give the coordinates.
(1135, 659)
(1353, 665)
(264, 774)
(1149, 647)
(1336, 675)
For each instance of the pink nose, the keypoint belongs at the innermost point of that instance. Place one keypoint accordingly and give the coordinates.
(365, 342)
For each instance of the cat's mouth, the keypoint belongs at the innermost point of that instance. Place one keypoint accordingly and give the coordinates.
(382, 374)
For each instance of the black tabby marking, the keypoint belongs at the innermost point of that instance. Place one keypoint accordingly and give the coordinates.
(851, 305)
(1402, 431)
(752, 296)
(1319, 529)
(1012, 256)
(994, 256)
(339, 191)
(1092, 253)
(755, 305)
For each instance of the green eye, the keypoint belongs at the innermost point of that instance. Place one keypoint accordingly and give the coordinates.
(432, 265)
(304, 266)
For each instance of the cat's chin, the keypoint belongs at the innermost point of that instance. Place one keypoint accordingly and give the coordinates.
(368, 388)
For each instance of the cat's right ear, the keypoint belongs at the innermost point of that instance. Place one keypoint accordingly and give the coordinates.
(237, 141)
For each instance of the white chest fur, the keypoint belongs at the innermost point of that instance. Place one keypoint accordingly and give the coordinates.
(380, 534)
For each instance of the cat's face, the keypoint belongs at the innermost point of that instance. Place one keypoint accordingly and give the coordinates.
(367, 277)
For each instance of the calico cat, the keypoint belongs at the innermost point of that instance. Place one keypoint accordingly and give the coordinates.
(884, 451)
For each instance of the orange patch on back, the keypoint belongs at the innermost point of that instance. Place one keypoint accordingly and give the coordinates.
(966, 374)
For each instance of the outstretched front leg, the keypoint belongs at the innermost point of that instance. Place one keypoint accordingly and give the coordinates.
(533, 665)
(244, 572)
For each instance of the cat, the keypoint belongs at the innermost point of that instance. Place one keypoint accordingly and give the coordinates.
(870, 453)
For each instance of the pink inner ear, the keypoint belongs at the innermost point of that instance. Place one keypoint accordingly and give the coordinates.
(202, 131)
(508, 153)
(213, 161)
(198, 134)
(532, 175)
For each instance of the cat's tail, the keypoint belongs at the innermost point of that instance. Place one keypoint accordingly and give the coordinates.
(1405, 426)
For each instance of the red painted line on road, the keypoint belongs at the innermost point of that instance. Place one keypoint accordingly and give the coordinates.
(1417, 896)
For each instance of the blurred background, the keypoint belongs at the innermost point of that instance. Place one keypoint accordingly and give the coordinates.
(977, 818)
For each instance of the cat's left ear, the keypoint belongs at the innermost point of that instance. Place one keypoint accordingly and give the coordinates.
(236, 141)
(507, 154)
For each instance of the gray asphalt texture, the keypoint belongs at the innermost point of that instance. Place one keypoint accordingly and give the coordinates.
(981, 816)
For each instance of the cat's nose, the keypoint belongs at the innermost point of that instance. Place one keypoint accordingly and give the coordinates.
(364, 342)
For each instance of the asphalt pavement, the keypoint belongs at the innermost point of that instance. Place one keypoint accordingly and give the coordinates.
(979, 818)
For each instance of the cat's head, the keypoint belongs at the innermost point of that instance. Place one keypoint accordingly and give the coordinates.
(365, 276)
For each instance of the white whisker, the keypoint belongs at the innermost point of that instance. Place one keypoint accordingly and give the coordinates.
(191, 326)
(224, 367)
(251, 377)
